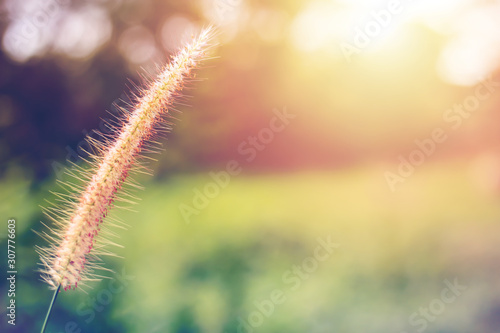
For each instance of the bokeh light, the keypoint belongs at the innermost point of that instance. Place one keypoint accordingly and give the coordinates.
(374, 124)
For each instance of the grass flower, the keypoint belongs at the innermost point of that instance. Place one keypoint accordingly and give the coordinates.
(76, 240)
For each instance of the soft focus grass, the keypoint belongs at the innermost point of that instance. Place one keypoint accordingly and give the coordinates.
(396, 250)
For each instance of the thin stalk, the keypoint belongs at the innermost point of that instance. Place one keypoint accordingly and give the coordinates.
(50, 308)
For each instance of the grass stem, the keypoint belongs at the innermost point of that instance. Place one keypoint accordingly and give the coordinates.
(50, 308)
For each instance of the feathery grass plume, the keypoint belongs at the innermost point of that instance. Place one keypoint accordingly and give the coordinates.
(73, 255)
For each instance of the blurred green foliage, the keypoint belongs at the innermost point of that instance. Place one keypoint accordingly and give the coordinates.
(206, 275)
(321, 177)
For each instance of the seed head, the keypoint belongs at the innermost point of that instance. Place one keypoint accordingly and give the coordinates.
(76, 240)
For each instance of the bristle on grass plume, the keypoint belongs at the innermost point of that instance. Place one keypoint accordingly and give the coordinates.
(76, 240)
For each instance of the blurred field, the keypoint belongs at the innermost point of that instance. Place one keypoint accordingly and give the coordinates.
(395, 252)
(420, 256)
